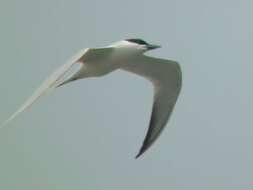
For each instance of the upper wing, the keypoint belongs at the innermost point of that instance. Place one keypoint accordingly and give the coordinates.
(64, 73)
(166, 77)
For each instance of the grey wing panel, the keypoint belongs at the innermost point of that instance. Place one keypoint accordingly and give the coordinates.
(50, 83)
(163, 105)
(96, 54)
(166, 77)
(60, 75)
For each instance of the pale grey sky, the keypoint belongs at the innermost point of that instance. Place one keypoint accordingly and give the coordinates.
(85, 135)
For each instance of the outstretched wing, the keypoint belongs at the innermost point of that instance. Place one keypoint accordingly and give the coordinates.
(166, 77)
(66, 73)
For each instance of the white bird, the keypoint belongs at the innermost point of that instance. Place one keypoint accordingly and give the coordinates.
(127, 55)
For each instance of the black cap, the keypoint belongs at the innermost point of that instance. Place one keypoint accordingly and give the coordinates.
(137, 41)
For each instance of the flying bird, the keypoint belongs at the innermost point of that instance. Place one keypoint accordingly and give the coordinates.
(128, 55)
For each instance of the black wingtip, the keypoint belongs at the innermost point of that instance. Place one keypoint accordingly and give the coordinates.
(142, 150)
(138, 155)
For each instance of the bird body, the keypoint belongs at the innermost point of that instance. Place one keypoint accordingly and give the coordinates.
(127, 55)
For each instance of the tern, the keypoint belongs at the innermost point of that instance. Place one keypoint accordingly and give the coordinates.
(128, 55)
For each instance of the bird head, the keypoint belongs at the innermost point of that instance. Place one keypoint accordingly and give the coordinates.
(141, 44)
(135, 44)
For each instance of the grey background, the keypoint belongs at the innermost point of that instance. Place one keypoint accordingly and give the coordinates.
(85, 135)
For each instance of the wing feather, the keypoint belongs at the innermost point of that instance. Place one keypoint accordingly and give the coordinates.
(166, 77)
(50, 83)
